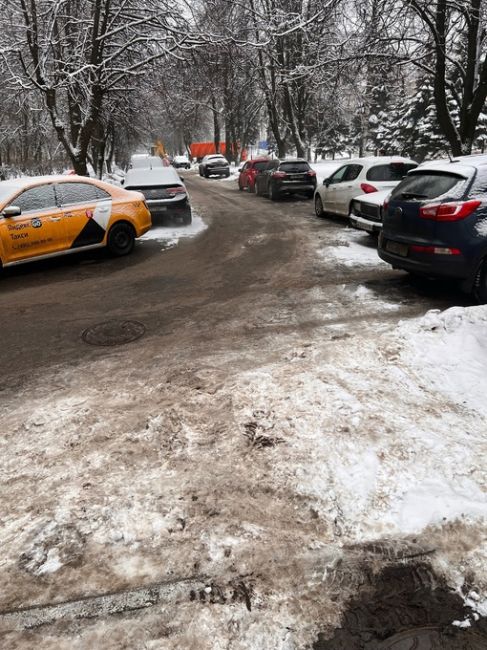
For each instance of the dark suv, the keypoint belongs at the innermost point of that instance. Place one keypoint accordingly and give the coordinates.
(281, 177)
(435, 223)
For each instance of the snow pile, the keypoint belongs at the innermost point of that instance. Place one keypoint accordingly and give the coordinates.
(449, 350)
(170, 235)
(356, 249)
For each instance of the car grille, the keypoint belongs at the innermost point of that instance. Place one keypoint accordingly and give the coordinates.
(368, 211)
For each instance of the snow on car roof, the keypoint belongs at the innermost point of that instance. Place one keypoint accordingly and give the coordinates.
(157, 176)
(450, 167)
(377, 160)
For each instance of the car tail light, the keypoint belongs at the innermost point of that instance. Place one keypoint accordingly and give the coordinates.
(311, 172)
(449, 211)
(279, 175)
(172, 191)
(434, 250)
(385, 206)
(367, 188)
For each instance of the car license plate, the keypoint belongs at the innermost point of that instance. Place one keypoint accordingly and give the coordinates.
(365, 226)
(397, 249)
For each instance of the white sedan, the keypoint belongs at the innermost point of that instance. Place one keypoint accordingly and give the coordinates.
(359, 176)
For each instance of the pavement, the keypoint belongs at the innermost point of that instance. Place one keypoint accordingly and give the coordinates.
(172, 492)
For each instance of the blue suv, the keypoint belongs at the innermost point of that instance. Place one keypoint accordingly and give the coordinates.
(435, 223)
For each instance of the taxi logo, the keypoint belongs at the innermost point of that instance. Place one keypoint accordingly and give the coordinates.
(89, 214)
(36, 223)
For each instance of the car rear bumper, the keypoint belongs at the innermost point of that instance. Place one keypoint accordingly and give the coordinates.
(365, 224)
(220, 171)
(428, 264)
(295, 187)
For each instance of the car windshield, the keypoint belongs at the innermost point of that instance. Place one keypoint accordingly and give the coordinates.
(390, 172)
(259, 166)
(294, 167)
(427, 185)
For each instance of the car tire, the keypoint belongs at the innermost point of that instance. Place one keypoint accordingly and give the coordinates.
(227, 174)
(207, 175)
(480, 284)
(240, 187)
(121, 239)
(319, 212)
(309, 195)
(273, 195)
(256, 189)
(187, 218)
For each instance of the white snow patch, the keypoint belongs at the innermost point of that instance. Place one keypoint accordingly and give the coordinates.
(52, 563)
(355, 251)
(435, 500)
(449, 350)
(171, 235)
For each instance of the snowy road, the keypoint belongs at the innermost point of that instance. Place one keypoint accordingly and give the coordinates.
(261, 470)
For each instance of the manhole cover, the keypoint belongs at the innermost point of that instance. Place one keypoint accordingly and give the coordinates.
(113, 332)
(419, 639)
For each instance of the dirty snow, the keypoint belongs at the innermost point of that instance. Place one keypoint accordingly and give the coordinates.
(170, 235)
(354, 249)
(262, 465)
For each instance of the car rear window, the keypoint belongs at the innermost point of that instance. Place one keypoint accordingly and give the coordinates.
(259, 166)
(390, 172)
(153, 191)
(428, 185)
(294, 167)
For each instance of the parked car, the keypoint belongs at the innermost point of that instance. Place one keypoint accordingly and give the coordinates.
(281, 177)
(366, 211)
(435, 223)
(181, 162)
(359, 176)
(249, 171)
(214, 165)
(144, 161)
(47, 216)
(164, 191)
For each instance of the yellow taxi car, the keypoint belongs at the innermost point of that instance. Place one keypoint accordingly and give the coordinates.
(46, 216)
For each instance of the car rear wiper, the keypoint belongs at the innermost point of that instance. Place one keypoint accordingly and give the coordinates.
(412, 195)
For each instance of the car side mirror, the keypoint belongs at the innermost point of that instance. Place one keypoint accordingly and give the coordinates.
(12, 211)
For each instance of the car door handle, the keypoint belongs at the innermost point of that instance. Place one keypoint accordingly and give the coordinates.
(103, 209)
(54, 218)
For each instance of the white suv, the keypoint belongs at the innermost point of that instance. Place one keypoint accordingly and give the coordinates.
(359, 176)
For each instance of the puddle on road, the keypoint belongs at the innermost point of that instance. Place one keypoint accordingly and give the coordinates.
(405, 607)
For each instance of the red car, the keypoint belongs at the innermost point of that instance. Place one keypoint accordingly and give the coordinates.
(246, 179)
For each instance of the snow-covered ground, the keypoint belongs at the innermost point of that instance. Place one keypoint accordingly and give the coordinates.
(171, 234)
(261, 468)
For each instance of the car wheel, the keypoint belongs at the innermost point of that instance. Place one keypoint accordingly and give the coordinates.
(319, 212)
(227, 175)
(121, 239)
(256, 189)
(240, 187)
(187, 218)
(480, 284)
(207, 175)
(309, 195)
(249, 187)
(273, 195)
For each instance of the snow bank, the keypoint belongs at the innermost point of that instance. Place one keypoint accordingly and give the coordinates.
(355, 249)
(170, 235)
(449, 350)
